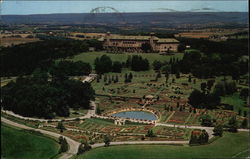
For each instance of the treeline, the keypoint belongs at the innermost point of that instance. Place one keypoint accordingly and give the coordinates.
(236, 47)
(205, 65)
(209, 65)
(210, 99)
(137, 63)
(70, 68)
(104, 64)
(23, 59)
(209, 59)
(37, 96)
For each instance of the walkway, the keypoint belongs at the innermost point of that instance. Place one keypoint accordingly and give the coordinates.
(208, 129)
(140, 142)
(91, 112)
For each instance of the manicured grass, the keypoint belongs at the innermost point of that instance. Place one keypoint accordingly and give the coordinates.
(20, 144)
(236, 101)
(226, 147)
(90, 56)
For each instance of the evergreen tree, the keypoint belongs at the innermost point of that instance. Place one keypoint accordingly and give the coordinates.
(189, 79)
(60, 126)
(98, 110)
(106, 140)
(233, 125)
(218, 130)
(244, 123)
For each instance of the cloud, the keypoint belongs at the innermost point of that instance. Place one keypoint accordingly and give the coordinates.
(168, 9)
(192, 10)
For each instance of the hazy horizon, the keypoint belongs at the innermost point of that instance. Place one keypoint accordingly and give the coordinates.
(57, 7)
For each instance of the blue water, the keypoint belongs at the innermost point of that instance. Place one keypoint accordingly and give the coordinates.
(83, 6)
(136, 115)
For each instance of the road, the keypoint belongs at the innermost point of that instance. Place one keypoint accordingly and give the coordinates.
(208, 129)
(88, 115)
(140, 142)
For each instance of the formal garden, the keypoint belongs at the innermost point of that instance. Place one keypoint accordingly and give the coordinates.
(137, 97)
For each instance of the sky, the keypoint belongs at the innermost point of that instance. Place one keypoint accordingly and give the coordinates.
(21, 7)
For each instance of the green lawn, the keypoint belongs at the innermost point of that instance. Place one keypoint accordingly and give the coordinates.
(90, 56)
(225, 147)
(20, 144)
(236, 101)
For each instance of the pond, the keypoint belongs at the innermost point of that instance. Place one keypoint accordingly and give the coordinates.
(136, 115)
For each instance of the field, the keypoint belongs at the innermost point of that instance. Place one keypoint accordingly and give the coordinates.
(90, 56)
(226, 147)
(20, 144)
(16, 41)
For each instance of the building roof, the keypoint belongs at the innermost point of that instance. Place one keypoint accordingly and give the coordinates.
(126, 37)
(167, 40)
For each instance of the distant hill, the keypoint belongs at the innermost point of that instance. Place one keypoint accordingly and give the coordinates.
(166, 18)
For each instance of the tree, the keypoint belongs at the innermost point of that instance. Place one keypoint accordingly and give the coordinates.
(198, 137)
(130, 76)
(157, 65)
(40, 76)
(146, 47)
(181, 108)
(232, 124)
(60, 126)
(106, 140)
(150, 133)
(189, 79)
(117, 67)
(245, 113)
(103, 64)
(206, 120)
(218, 130)
(196, 98)
(158, 75)
(139, 64)
(204, 137)
(244, 93)
(211, 101)
(105, 78)
(244, 123)
(210, 84)
(166, 69)
(83, 147)
(203, 87)
(64, 144)
(239, 112)
(128, 61)
(116, 79)
(177, 74)
(181, 48)
(98, 110)
(171, 108)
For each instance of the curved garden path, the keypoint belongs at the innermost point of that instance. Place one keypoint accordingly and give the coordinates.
(90, 113)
